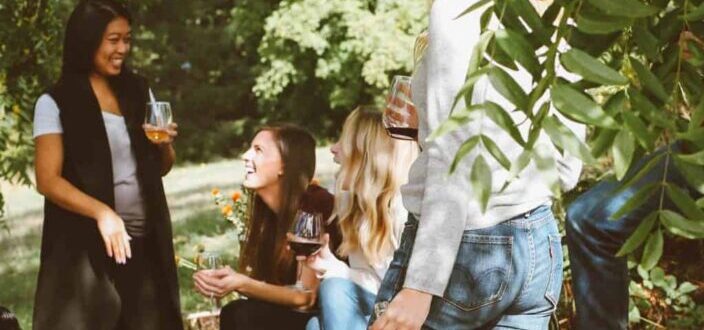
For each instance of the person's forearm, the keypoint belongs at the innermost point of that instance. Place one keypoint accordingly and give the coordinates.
(168, 157)
(64, 194)
(277, 294)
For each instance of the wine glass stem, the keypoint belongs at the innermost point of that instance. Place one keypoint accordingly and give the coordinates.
(299, 283)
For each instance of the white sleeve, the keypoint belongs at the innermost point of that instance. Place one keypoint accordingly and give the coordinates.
(46, 117)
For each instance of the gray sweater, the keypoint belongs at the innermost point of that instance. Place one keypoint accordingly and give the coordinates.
(444, 203)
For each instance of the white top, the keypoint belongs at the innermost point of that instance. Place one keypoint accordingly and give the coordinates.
(445, 204)
(128, 198)
(360, 270)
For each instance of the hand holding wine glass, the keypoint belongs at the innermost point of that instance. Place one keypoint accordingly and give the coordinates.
(305, 238)
(158, 123)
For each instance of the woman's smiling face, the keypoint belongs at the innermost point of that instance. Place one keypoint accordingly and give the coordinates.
(263, 163)
(113, 49)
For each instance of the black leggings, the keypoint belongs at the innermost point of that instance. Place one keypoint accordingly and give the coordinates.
(144, 300)
(252, 314)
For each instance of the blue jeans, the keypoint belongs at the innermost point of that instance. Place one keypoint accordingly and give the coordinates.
(507, 276)
(599, 278)
(343, 305)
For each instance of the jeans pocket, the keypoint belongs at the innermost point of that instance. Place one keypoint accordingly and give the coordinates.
(481, 273)
(554, 287)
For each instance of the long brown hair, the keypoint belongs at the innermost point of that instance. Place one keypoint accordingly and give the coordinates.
(265, 250)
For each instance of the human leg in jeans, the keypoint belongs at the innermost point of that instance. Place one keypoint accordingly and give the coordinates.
(343, 305)
(506, 276)
(599, 278)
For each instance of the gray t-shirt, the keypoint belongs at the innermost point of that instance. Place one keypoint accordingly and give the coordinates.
(129, 204)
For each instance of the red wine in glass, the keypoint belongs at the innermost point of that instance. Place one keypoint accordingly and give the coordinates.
(306, 237)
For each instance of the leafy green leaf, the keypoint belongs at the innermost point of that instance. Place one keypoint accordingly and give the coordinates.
(637, 199)
(602, 24)
(687, 287)
(639, 235)
(641, 172)
(693, 174)
(579, 107)
(653, 250)
(519, 49)
(679, 225)
(473, 7)
(530, 16)
(700, 203)
(517, 167)
(638, 128)
(501, 118)
(591, 69)
(494, 150)
(480, 178)
(649, 80)
(508, 88)
(545, 162)
(649, 110)
(624, 8)
(456, 120)
(466, 90)
(696, 14)
(646, 41)
(685, 203)
(565, 138)
(622, 151)
(464, 149)
(603, 141)
(695, 158)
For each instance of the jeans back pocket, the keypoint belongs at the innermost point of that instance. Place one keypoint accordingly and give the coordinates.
(481, 273)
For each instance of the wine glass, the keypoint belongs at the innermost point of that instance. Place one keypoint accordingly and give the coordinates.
(306, 238)
(158, 117)
(213, 260)
(400, 118)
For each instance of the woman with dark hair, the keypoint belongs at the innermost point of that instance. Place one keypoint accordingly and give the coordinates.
(107, 229)
(279, 164)
(8, 321)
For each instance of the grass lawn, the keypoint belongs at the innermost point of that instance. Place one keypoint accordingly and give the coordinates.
(20, 255)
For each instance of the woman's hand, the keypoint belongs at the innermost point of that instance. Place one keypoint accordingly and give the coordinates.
(218, 282)
(171, 133)
(322, 260)
(112, 230)
(408, 310)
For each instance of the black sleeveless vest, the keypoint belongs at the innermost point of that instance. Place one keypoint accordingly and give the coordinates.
(75, 287)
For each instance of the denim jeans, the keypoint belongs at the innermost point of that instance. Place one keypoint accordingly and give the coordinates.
(507, 276)
(343, 305)
(599, 278)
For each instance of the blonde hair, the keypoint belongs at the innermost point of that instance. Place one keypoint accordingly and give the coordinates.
(373, 168)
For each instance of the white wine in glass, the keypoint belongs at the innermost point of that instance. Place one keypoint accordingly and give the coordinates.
(158, 117)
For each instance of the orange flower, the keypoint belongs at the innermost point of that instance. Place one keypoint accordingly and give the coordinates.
(236, 196)
(226, 210)
(315, 182)
(215, 191)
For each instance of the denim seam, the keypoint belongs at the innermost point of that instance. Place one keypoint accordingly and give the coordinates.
(553, 264)
(528, 224)
(531, 267)
(499, 295)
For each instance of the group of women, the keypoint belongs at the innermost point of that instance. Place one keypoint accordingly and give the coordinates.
(107, 256)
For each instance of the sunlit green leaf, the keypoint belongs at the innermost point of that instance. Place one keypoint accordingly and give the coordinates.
(519, 49)
(639, 235)
(480, 178)
(501, 118)
(580, 107)
(566, 139)
(473, 7)
(624, 8)
(693, 174)
(456, 120)
(622, 151)
(638, 128)
(639, 198)
(684, 202)
(494, 150)
(649, 80)
(602, 24)
(545, 162)
(653, 250)
(679, 225)
(464, 149)
(508, 88)
(603, 142)
(589, 68)
(465, 91)
(654, 114)
(642, 172)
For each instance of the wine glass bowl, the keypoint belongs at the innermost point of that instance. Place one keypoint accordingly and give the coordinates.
(158, 117)
(306, 238)
(400, 117)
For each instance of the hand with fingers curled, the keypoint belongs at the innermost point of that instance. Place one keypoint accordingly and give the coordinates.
(218, 282)
(407, 311)
(117, 241)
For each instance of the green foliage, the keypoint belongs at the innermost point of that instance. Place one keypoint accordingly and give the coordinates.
(28, 39)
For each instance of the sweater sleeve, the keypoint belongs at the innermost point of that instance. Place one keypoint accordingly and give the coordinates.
(446, 201)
